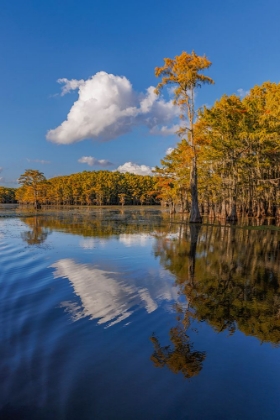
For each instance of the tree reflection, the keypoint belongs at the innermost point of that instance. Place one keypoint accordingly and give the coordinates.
(102, 224)
(230, 278)
(38, 233)
(180, 357)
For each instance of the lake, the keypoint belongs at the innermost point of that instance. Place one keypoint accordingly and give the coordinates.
(126, 313)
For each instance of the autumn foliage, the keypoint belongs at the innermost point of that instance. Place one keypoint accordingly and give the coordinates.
(238, 158)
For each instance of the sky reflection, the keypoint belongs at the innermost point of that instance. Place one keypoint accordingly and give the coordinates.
(108, 296)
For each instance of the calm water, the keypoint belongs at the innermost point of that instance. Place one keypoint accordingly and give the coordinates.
(124, 314)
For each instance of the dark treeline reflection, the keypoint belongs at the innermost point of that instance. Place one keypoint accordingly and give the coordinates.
(95, 223)
(229, 278)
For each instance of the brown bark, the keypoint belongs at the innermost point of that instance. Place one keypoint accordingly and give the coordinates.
(195, 216)
(223, 212)
(232, 217)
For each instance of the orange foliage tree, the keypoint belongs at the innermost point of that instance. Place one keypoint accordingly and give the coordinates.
(184, 72)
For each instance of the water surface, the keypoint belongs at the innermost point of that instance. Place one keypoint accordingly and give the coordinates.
(126, 314)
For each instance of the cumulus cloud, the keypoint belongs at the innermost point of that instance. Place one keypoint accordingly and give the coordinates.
(165, 130)
(135, 169)
(43, 162)
(107, 107)
(92, 161)
(169, 150)
(242, 93)
(69, 85)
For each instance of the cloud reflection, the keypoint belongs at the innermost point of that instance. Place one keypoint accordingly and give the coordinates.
(106, 296)
(129, 240)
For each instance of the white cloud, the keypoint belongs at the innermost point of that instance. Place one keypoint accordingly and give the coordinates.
(1, 169)
(43, 162)
(171, 90)
(107, 107)
(91, 161)
(169, 150)
(69, 85)
(242, 93)
(165, 130)
(135, 169)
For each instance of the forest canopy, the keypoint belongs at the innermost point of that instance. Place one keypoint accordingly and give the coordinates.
(88, 188)
(237, 158)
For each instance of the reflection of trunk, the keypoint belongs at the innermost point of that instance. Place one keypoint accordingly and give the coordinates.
(194, 230)
(195, 216)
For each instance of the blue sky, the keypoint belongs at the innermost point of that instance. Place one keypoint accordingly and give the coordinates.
(107, 46)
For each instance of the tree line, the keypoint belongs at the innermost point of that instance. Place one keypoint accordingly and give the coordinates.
(7, 195)
(86, 188)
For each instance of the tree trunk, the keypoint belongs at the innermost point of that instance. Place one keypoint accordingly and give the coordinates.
(232, 217)
(211, 211)
(223, 213)
(195, 216)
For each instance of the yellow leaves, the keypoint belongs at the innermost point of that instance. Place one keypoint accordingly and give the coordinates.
(184, 71)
